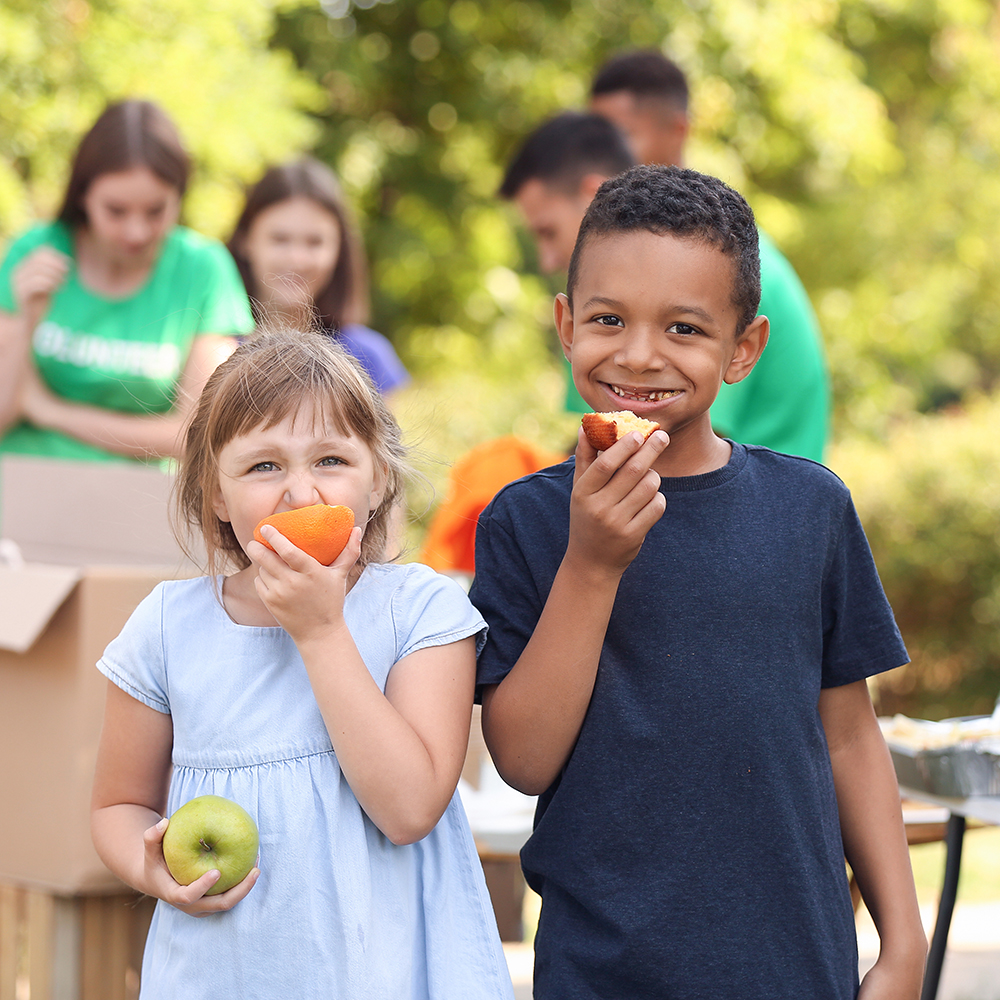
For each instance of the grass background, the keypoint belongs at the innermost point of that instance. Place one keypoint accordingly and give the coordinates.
(979, 880)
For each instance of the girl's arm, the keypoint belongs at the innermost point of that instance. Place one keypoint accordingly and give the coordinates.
(130, 795)
(33, 282)
(401, 751)
(135, 435)
(15, 341)
(875, 845)
(532, 719)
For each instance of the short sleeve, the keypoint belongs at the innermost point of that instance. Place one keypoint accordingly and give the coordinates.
(506, 595)
(226, 308)
(433, 610)
(134, 661)
(860, 635)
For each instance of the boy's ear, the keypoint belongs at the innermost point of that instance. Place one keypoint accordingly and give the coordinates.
(748, 350)
(563, 315)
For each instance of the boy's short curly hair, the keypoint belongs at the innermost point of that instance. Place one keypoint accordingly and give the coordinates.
(683, 203)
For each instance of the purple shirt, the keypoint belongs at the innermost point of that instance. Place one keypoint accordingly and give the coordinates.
(376, 354)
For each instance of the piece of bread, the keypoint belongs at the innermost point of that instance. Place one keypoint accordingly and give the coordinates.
(604, 429)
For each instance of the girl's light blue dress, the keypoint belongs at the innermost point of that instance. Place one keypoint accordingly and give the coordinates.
(339, 912)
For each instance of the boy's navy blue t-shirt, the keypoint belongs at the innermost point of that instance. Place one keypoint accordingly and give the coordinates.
(691, 847)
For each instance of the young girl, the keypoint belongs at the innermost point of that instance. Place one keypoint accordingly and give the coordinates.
(113, 315)
(331, 702)
(302, 261)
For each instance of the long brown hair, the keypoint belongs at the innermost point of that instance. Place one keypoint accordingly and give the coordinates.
(267, 379)
(345, 297)
(128, 134)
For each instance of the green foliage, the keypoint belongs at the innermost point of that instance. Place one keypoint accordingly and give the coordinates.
(929, 499)
(905, 269)
(863, 132)
(237, 104)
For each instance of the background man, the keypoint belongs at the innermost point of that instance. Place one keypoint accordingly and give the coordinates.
(785, 401)
(553, 179)
(555, 175)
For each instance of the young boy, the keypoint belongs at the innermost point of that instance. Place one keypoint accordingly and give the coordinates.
(680, 632)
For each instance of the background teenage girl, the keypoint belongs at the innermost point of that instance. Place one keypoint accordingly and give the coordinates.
(333, 703)
(113, 316)
(302, 262)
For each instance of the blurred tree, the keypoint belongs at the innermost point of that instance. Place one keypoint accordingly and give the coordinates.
(237, 103)
(864, 133)
(930, 502)
(905, 267)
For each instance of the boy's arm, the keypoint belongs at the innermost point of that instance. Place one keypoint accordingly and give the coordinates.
(875, 845)
(531, 720)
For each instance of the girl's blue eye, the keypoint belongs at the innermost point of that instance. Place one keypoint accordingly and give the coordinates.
(331, 460)
(264, 467)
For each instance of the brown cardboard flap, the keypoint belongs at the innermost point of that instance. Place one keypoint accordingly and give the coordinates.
(87, 513)
(29, 597)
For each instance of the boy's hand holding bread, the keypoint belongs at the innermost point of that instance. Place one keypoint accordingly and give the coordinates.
(616, 492)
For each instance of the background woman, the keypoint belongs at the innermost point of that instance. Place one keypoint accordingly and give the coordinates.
(302, 261)
(113, 316)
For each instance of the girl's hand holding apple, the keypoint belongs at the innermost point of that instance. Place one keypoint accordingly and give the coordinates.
(191, 899)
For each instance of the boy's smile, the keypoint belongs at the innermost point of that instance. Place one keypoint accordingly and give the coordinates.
(652, 329)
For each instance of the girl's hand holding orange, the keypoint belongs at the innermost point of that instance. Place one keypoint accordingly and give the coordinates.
(305, 596)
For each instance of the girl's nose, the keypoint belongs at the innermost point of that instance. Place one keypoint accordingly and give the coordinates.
(301, 492)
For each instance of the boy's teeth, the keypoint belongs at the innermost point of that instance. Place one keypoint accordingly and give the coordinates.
(645, 396)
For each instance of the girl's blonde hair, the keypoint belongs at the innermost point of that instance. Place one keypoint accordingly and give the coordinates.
(267, 379)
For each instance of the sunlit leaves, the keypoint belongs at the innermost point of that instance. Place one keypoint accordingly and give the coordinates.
(238, 104)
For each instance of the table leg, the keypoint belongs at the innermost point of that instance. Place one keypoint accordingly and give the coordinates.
(949, 890)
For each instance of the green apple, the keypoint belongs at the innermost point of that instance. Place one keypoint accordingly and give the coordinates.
(211, 832)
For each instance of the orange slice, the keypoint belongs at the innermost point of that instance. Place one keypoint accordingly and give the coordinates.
(320, 530)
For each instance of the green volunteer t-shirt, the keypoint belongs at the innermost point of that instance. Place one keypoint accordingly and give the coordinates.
(127, 354)
(784, 403)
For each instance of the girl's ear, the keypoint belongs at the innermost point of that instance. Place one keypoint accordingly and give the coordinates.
(219, 506)
(563, 315)
(379, 482)
(749, 348)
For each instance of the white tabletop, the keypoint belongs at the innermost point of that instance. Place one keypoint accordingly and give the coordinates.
(984, 808)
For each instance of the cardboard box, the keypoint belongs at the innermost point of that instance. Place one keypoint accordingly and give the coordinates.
(82, 545)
